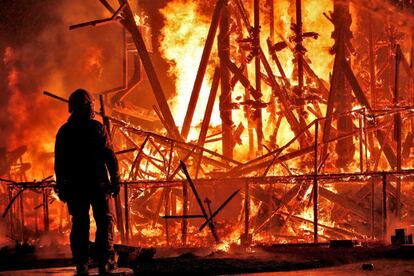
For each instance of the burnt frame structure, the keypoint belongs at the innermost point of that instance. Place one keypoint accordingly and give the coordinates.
(164, 153)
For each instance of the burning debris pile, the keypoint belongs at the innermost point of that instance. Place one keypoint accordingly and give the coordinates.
(290, 122)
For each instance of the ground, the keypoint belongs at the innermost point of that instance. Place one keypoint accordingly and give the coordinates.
(381, 267)
(277, 259)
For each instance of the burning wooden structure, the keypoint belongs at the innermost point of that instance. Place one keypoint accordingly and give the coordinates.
(295, 157)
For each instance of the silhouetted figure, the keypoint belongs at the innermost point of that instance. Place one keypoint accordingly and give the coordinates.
(83, 158)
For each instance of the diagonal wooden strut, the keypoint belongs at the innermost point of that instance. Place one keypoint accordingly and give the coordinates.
(200, 203)
(202, 68)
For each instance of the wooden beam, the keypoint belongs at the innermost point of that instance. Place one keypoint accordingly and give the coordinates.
(281, 94)
(207, 115)
(225, 107)
(129, 23)
(202, 68)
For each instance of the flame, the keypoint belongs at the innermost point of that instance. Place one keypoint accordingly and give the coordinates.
(232, 239)
(318, 50)
(141, 19)
(94, 61)
(181, 43)
(151, 232)
(182, 39)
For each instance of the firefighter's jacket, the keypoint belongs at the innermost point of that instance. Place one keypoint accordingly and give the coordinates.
(84, 157)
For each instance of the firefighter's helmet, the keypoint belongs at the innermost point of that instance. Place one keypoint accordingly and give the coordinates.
(80, 100)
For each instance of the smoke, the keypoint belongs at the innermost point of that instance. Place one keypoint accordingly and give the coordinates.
(38, 52)
(386, 10)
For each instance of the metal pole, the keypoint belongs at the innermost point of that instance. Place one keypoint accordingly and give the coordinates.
(246, 213)
(361, 152)
(173, 204)
(11, 220)
(397, 126)
(315, 185)
(21, 199)
(384, 205)
(126, 202)
(61, 211)
(398, 178)
(167, 213)
(185, 213)
(36, 215)
(46, 209)
(367, 168)
(373, 208)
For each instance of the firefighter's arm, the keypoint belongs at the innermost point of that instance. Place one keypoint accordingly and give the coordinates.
(61, 181)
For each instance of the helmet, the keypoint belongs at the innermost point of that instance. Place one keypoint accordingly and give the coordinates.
(80, 100)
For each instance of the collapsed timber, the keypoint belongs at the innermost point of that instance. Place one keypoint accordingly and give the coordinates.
(302, 190)
(253, 189)
(385, 189)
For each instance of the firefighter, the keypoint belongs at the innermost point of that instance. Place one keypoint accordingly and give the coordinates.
(83, 159)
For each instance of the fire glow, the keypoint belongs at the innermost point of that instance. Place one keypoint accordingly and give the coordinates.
(289, 130)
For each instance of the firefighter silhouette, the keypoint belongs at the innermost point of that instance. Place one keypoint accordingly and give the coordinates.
(83, 159)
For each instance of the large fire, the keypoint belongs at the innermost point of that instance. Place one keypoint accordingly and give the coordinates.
(327, 128)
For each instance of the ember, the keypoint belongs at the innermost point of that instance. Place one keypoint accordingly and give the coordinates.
(237, 122)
